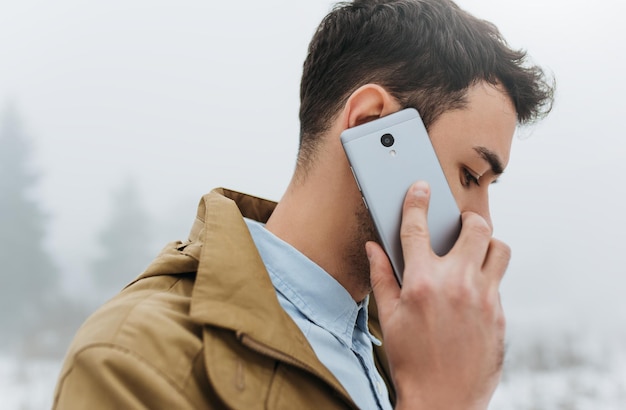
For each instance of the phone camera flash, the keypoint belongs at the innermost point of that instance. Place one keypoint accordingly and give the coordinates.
(392, 152)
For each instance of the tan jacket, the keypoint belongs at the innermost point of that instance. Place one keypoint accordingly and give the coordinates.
(201, 328)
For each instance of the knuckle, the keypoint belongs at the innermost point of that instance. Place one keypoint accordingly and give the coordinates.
(479, 227)
(501, 251)
(377, 277)
(492, 309)
(476, 225)
(421, 290)
(376, 283)
(412, 231)
(491, 304)
(460, 293)
(417, 201)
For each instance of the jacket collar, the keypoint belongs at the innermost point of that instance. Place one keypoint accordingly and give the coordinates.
(244, 299)
(232, 289)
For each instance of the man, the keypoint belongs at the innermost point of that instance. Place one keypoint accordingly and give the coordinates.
(266, 305)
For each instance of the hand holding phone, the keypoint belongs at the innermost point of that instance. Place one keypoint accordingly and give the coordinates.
(444, 328)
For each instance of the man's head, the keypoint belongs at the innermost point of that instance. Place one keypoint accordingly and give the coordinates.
(370, 58)
(425, 53)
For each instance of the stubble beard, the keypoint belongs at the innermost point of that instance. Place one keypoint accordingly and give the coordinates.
(358, 264)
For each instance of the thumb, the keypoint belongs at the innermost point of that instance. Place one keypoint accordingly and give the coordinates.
(384, 284)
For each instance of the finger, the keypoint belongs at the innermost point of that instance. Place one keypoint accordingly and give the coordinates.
(414, 228)
(474, 238)
(496, 262)
(384, 284)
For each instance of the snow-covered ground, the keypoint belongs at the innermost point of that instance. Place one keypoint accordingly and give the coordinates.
(557, 375)
(582, 389)
(564, 371)
(27, 385)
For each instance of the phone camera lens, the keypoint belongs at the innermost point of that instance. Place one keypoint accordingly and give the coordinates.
(387, 140)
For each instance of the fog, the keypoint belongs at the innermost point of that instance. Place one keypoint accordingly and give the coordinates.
(184, 97)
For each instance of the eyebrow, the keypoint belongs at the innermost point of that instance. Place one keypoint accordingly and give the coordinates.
(492, 158)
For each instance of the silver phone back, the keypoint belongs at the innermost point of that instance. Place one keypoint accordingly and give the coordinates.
(384, 175)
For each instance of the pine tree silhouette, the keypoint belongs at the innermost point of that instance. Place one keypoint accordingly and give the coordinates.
(28, 275)
(124, 242)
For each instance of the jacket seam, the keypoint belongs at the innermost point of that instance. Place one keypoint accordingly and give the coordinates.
(194, 362)
(124, 321)
(132, 354)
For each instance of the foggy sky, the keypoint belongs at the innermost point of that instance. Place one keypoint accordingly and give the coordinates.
(190, 95)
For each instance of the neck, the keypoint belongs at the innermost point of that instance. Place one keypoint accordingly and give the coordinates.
(319, 215)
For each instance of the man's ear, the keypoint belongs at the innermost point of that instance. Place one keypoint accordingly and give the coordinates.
(368, 103)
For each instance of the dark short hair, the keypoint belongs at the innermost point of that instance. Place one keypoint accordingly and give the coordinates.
(426, 53)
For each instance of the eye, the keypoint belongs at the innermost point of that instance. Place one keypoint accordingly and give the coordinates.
(469, 178)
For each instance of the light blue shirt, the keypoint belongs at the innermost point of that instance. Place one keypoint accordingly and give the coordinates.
(333, 323)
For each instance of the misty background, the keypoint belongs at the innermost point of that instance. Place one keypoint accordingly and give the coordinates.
(117, 116)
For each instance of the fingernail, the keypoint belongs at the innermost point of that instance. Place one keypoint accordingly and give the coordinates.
(420, 189)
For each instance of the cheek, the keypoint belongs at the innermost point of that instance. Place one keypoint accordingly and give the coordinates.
(447, 151)
(476, 200)
(454, 178)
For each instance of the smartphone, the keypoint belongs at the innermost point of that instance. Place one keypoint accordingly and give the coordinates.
(387, 156)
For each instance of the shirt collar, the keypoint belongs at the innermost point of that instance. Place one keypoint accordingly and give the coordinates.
(317, 295)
